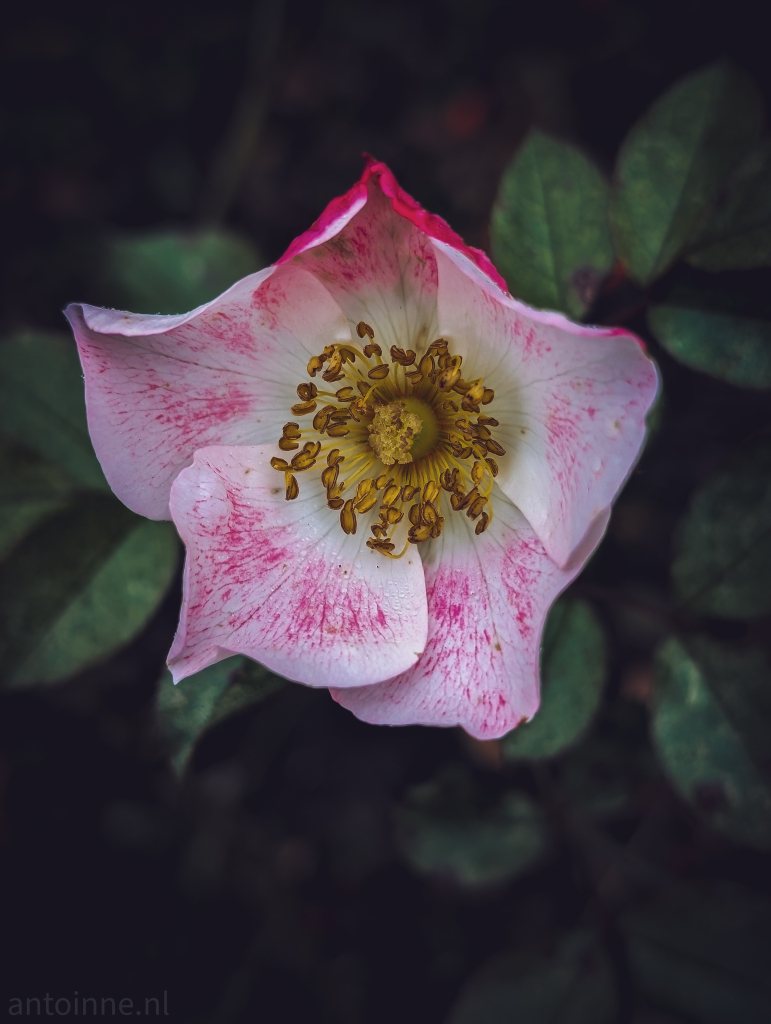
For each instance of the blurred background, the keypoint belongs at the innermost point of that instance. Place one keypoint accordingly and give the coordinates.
(297, 865)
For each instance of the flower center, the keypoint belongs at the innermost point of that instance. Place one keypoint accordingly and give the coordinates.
(399, 431)
(403, 431)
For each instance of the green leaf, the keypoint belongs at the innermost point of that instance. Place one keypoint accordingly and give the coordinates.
(42, 404)
(173, 272)
(31, 490)
(569, 984)
(186, 710)
(736, 349)
(712, 726)
(572, 680)
(441, 833)
(79, 586)
(722, 562)
(673, 162)
(738, 236)
(703, 949)
(549, 228)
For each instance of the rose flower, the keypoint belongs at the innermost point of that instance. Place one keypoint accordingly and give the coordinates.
(383, 467)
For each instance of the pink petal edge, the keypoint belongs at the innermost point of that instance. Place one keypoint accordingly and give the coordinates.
(343, 208)
(280, 582)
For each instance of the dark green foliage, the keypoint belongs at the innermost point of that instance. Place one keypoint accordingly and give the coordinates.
(173, 272)
(572, 679)
(711, 723)
(673, 162)
(80, 575)
(736, 349)
(722, 562)
(738, 235)
(443, 832)
(186, 710)
(571, 983)
(703, 949)
(549, 227)
(42, 406)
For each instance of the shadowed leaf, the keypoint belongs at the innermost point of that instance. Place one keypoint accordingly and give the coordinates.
(736, 349)
(738, 236)
(42, 404)
(186, 710)
(549, 227)
(79, 586)
(673, 163)
(711, 723)
(569, 984)
(572, 680)
(722, 562)
(173, 272)
(441, 833)
(703, 949)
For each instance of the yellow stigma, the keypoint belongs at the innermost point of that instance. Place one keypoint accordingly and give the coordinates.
(393, 432)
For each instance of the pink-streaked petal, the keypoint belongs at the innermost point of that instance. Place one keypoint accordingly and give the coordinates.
(158, 388)
(571, 402)
(280, 582)
(377, 176)
(487, 602)
(380, 269)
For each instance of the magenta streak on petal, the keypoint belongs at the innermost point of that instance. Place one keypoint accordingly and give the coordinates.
(264, 578)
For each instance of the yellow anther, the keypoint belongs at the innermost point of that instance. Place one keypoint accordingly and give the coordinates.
(364, 387)
(394, 516)
(382, 480)
(493, 466)
(315, 363)
(362, 329)
(440, 345)
(476, 507)
(488, 396)
(340, 416)
(307, 392)
(348, 518)
(409, 492)
(280, 464)
(288, 444)
(338, 430)
(292, 430)
(379, 372)
(348, 355)
(292, 487)
(330, 475)
(476, 392)
(366, 503)
(482, 524)
(418, 534)
(398, 355)
(391, 494)
(447, 378)
(477, 473)
(488, 421)
(345, 395)
(303, 408)
(321, 418)
(364, 488)
(428, 513)
(335, 503)
(414, 515)
(494, 448)
(431, 491)
(334, 458)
